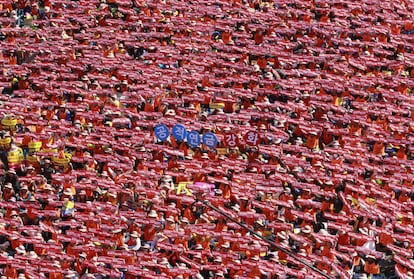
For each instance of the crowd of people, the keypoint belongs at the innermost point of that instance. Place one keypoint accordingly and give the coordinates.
(88, 190)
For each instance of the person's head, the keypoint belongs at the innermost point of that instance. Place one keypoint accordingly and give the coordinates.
(370, 259)
(14, 215)
(8, 187)
(82, 256)
(24, 189)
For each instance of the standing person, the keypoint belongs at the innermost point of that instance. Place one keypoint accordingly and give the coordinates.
(372, 268)
(47, 170)
(12, 178)
(133, 241)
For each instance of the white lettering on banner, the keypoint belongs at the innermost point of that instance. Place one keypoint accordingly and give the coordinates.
(179, 132)
(161, 132)
(210, 139)
(193, 138)
(252, 138)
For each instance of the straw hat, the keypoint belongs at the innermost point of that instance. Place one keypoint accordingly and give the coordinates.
(262, 127)
(112, 194)
(153, 214)
(302, 252)
(198, 247)
(219, 274)
(335, 143)
(165, 185)
(260, 223)
(204, 216)
(167, 178)
(67, 192)
(134, 234)
(297, 169)
(236, 207)
(256, 68)
(56, 264)
(253, 169)
(164, 261)
(299, 140)
(14, 213)
(20, 249)
(170, 112)
(226, 244)
(117, 231)
(32, 255)
(307, 229)
(273, 256)
(323, 232)
(364, 231)
(170, 219)
(282, 235)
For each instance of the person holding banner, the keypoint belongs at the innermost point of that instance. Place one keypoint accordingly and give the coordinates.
(12, 179)
(15, 157)
(161, 132)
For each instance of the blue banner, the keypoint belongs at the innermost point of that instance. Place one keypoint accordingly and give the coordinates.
(161, 132)
(193, 139)
(210, 139)
(179, 132)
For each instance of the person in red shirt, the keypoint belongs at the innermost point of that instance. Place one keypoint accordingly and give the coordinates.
(8, 192)
(371, 266)
(81, 266)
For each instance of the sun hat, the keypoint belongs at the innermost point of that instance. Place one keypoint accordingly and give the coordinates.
(306, 229)
(198, 247)
(20, 249)
(170, 219)
(67, 192)
(134, 234)
(364, 231)
(153, 214)
(282, 235)
(164, 261)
